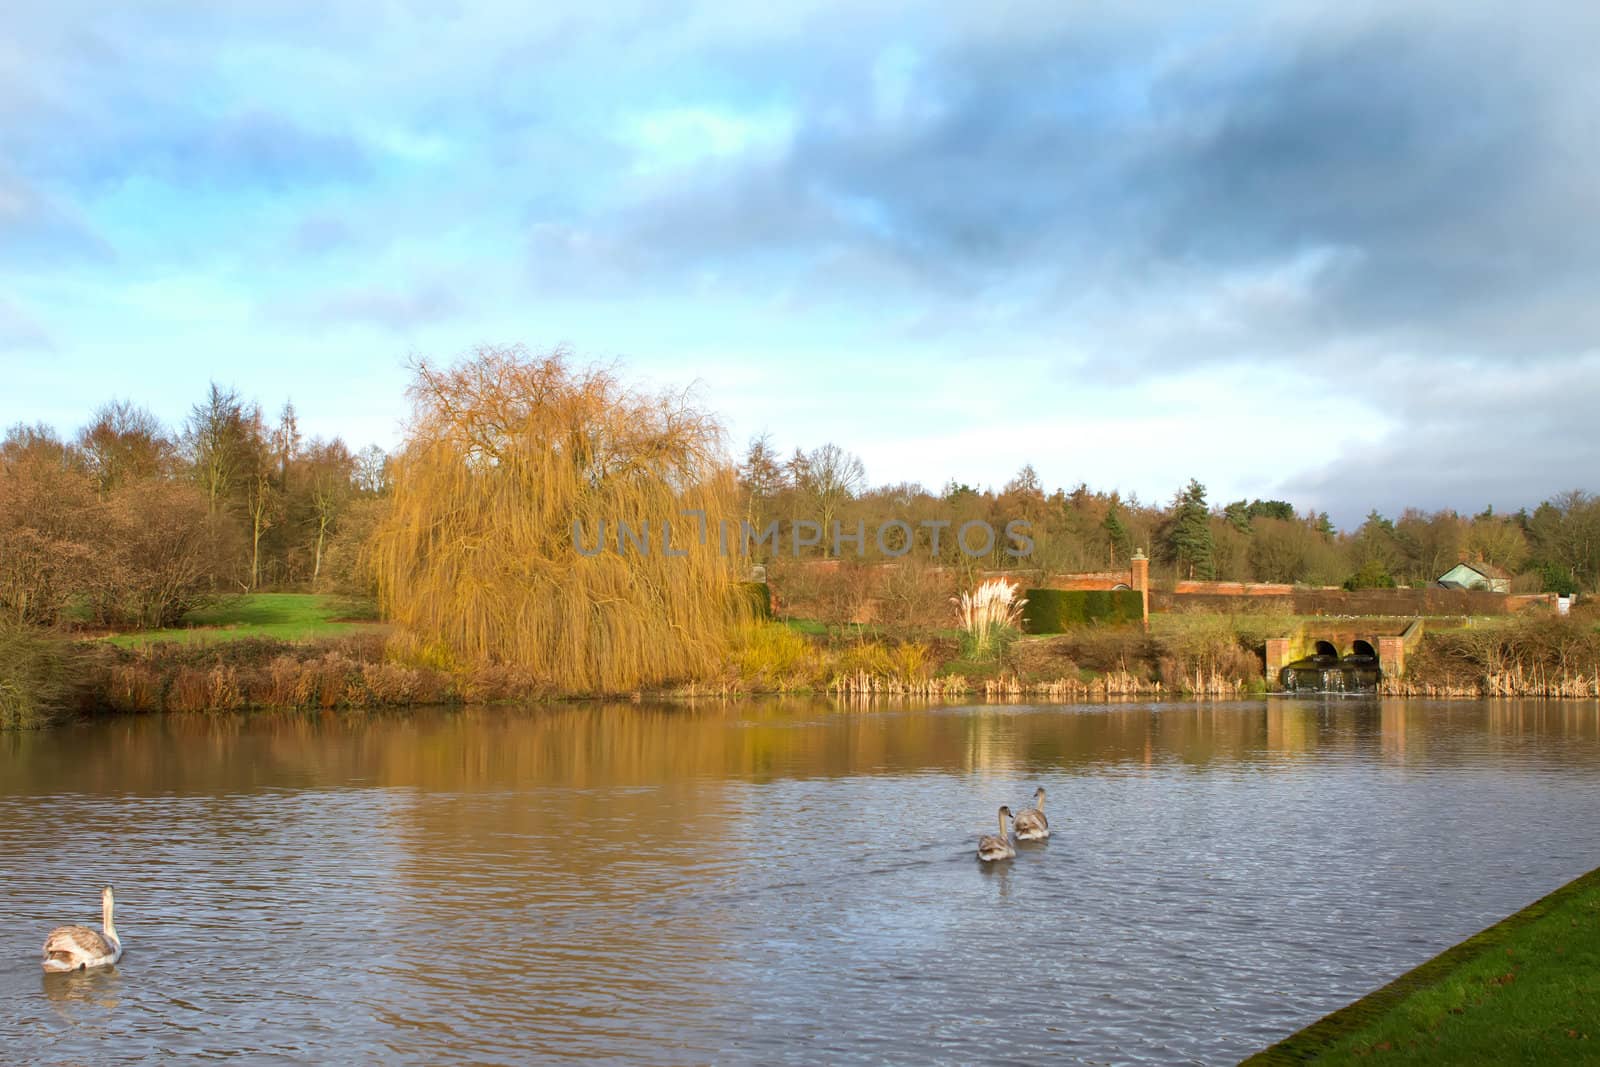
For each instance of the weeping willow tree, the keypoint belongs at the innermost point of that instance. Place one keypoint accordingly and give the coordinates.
(516, 469)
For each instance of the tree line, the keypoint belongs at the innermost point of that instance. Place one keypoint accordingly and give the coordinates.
(1553, 548)
(130, 523)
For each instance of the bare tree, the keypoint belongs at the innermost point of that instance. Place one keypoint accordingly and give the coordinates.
(215, 438)
(329, 483)
(286, 442)
(123, 444)
(372, 470)
(826, 478)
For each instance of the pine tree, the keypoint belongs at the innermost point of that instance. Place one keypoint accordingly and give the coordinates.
(1117, 534)
(1189, 533)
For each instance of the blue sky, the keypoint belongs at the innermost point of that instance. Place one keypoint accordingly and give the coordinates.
(1339, 254)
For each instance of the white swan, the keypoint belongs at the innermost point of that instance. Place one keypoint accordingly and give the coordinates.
(72, 948)
(992, 847)
(1030, 822)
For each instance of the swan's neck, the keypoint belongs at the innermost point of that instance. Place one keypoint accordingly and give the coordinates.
(107, 925)
(1038, 802)
(1002, 826)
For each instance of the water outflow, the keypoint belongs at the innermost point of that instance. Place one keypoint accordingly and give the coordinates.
(1322, 673)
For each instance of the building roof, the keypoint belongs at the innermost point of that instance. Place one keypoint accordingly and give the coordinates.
(1488, 570)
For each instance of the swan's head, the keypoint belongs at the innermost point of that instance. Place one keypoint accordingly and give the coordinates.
(1005, 812)
(1038, 794)
(106, 899)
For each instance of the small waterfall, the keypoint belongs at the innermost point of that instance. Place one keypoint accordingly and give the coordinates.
(1323, 673)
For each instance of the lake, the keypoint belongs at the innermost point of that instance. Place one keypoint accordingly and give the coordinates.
(789, 882)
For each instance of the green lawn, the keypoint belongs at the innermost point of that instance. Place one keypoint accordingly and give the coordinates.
(1523, 991)
(286, 616)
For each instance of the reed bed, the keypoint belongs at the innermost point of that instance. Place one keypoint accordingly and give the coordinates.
(1536, 657)
(1516, 682)
(278, 675)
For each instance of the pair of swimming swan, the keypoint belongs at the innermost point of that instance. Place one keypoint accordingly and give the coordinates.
(75, 948)
(1029, 824)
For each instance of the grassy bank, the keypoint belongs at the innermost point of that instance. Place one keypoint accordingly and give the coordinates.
(1522, 991)
(279, 616)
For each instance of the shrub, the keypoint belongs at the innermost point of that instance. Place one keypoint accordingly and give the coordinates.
(773, 655)
(834, 592)
(34, 672)
(1371, 575)
(914, 595)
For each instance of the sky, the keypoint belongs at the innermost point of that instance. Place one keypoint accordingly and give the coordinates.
(1340, 254)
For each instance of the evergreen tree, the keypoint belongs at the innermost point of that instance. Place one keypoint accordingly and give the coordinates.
(1188, 533)
(1117, 534)
(1271, 509)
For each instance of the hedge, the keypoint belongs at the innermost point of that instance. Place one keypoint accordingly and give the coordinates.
(1050, 611)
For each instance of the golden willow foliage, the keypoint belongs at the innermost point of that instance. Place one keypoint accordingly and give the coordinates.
(505, 451)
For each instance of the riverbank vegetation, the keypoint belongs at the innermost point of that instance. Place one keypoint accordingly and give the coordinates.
(251, 658)
(494, 542)
(1522, 991)
(1538, 655)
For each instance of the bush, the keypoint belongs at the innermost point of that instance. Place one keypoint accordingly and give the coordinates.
(1372, 575)
(771, 655)
(1053, 611)
(1554, 578)
(914, 596)
(34, 673)
(833, 592)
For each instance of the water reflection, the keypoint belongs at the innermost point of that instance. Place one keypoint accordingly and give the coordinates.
(787, 882)
(97, 988)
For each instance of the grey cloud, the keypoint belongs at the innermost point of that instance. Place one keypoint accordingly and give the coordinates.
(1467, 435)
(1437, 163)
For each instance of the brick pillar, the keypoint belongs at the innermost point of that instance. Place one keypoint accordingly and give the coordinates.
(1277, 657)
(1139, 578)
(1392, 656)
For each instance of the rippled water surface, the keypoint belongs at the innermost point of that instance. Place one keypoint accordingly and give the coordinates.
(767, 883)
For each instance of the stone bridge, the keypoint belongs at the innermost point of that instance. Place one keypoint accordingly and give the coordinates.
(1388, 643)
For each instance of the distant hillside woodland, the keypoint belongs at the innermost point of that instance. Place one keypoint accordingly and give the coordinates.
(128, 523)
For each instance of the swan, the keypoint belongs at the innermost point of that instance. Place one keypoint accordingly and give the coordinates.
(72, 948)
(1030, 822)
(993, 847)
